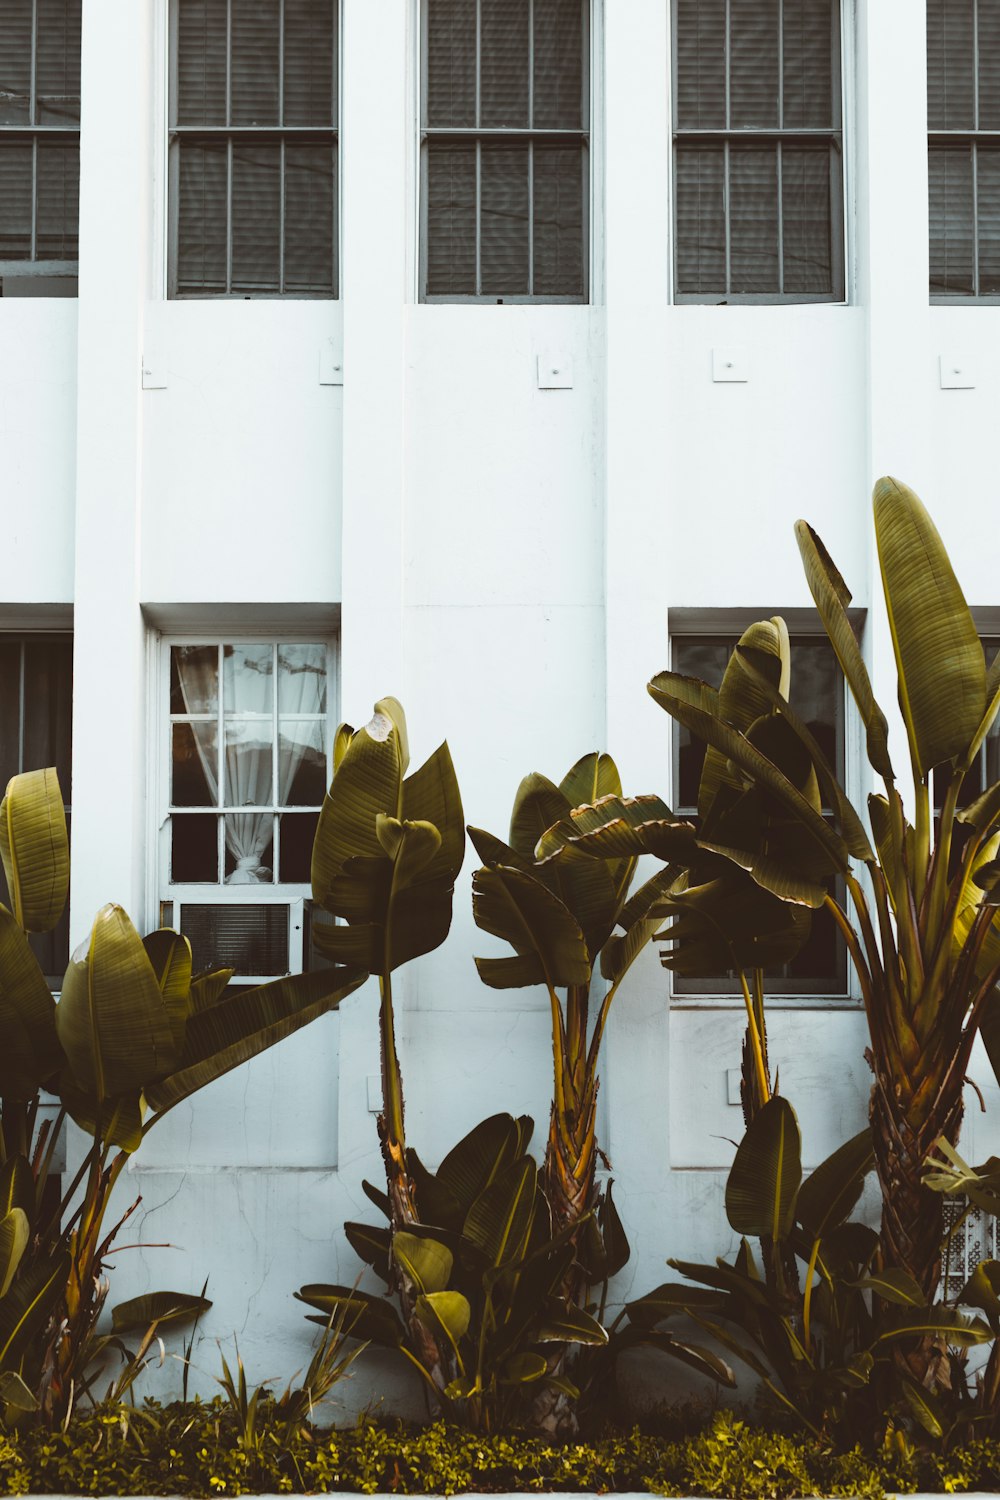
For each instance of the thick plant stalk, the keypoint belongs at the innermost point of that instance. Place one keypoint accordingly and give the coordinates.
(391, 1128)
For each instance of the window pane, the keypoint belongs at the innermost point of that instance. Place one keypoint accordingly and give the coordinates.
(255, 54)
(988, 186)
(753, 190)
(451, 219)
(805, 199)
(201, 62)
(451, 62)
(201, 220)
(15, 200)
(817, 695)
(56, 235)
(302, 679)
(57, 65)
(297, 833)
(560, 99)
(194, 849)
(503, 64)
(705, 659)
(988, 38)
(247, 679)
(249, 754)
(309, 209)
(48, 708)
(701, 221)
(559, 239)
(249, 848)
(504, 218)
(810, 28)
(310, 78)
(249, 939)
(951, 226)
(15, 63)
(301, 763)
(753, 62)
(256, 216)
(701, 64)
(10, 710)
(950, 88)
(194, 679)
(194, 777)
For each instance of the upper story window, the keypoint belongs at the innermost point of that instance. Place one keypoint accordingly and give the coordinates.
(253, 148)
(39, 146)
(505, 160)
(758, 151)
(963, 117)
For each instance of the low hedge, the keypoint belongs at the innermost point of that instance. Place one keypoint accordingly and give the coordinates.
(203, 1449)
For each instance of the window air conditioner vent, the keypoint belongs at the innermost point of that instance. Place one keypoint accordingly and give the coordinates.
(250, 939)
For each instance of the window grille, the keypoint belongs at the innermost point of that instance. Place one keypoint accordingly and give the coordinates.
(39, 145)
(963, 116)
(758, 151)
(966, 1242)
(505, 160)
(253, 148)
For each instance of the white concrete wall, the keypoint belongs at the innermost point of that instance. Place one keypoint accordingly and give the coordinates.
(505, 558)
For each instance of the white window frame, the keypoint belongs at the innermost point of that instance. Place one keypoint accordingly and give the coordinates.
(169, 898)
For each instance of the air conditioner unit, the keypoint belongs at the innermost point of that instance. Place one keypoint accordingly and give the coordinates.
(260, 940)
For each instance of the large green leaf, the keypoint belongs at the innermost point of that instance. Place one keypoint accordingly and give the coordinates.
(704, 1361)
(517, 907)
(927, 1322)
(479, 1157)
(939, 659)
(500, 1221)
(765, 1176)
(742, 701)
(117, 1119)
(370, 1317)
(29, 1045)
(35, 849)
(370, 1244)
(368, 781)
(562, 1323)
(982, 1290)
(893, 1285)
(449, 1311)
(111, 1019)
(730, 923)
(620, 827)
(538, 803)
(829, 1193)
(832, 597)
(593, 776)
(431, 795)
(140, 1313)
(17, 1185)
(674, 1299)
(14, 1234)
(28, 1305)
(169, 953)
(425, 1260)
(233, 1030)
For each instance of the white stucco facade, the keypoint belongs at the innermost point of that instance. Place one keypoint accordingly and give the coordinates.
(502, 558)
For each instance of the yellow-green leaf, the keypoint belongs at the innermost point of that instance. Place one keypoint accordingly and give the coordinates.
(35, 849)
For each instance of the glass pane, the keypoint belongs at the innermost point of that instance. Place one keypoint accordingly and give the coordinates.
(811, 41)
(701, 64)
(753, 196)
(988, 38)
(988, 187)
(559, 239)
(297, 833)
(821, 955)
(302, 679)
(950, 63)
(57, 63)
(247, 679)
(753, 63)
(951, 224)
(310, 75)
(256, 50)
(15, 62)
(201, 62)
(560, 97)
(451, 62)
(256, 216)
(451, 219)
(503, 218)
(249, 939)
(706, 659)
(805, 203)
(194, 849)
(201, 216)
(503, 62)
(194, 679)
(194, 776)
(58, 201)
(701, 220)
(10, 711)
(301, 763)
(48, 708)
(309, 209)
(15, 200)
(817, 695)
(249, 754)
(249, 846)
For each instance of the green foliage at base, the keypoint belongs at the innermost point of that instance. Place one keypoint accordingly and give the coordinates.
(201, 1450)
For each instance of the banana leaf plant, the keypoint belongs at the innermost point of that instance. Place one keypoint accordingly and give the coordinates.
(387, 851)
(921, 931)
(133, 1034)
(484, 1274)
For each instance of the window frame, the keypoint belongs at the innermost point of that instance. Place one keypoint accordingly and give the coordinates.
(840, 231)
(585, 137)
(171, 896)
(802, 622)
(174, 133)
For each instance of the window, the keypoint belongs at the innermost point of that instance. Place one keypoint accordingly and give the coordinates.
(985, 769)
(36, 722)
(245, 770)
(963, 117)
(818, 696)
(505, 173)
(758, 151)
(253, 148)
(39, 146)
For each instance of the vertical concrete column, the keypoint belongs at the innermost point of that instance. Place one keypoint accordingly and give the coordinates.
(109, 779)
(637, 535)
